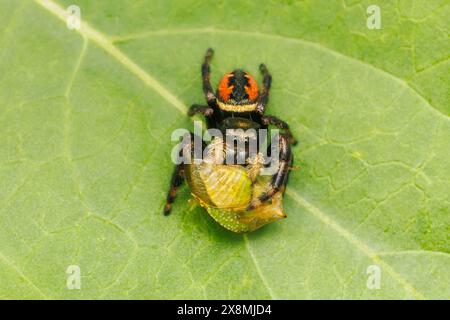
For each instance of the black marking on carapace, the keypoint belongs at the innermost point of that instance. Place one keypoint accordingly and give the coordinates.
(239, 81)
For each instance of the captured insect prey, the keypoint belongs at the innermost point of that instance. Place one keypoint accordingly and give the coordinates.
(239, 175)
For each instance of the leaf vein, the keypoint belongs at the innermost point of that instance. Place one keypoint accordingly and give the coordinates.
(257, 267)
(353, 240)
(22, 275)
(316, 45)
(104, 42)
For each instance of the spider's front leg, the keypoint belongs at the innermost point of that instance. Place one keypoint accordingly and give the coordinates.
(279, 179)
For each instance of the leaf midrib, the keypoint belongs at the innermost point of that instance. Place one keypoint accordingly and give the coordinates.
(316, 45)
(103, 42)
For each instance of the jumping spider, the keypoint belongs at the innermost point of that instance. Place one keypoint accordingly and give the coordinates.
(239, 104)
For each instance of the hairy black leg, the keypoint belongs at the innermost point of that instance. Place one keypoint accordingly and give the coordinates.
(178, 174)
(203, 110)
(206, 72)
(206, 111)
(280, 124)
(177, 180)
(279, 179)
(264, 96)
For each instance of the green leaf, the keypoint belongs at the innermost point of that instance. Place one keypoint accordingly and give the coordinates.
(85, 124)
